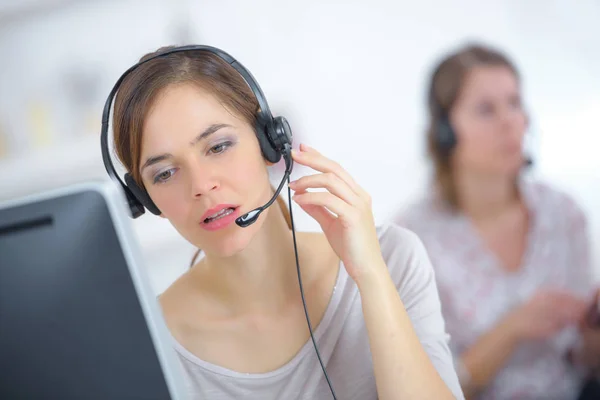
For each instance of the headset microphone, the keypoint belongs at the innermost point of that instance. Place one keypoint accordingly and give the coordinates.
(251, 217)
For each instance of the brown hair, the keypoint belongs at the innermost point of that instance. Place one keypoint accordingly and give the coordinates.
(444, 89)
(139, 90)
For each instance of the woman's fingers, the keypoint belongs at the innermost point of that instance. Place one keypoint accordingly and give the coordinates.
(315, 160)
(320, 214)
(327, 200)
(328, 181)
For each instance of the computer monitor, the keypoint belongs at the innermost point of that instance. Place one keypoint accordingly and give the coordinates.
(78, 317)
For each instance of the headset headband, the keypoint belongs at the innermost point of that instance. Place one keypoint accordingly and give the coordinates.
(264, 111)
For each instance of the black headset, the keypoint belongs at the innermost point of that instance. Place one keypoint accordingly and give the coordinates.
(443, 134)
(274, 133)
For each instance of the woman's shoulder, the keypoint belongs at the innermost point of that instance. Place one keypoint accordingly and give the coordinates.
(552, 201)
(409, 266)
(402, 250)
(396, 238)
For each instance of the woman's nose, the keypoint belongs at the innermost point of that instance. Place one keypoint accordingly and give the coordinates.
(203, 181)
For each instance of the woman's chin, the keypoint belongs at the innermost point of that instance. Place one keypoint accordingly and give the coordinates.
(508, 165)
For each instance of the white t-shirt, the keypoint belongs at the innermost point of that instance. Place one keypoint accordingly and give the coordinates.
(342, 339)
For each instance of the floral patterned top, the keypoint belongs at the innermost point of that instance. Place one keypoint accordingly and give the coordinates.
(475, 291)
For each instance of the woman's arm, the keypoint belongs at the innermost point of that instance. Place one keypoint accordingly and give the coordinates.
(545, 314)
(402, 367)
(484, 359)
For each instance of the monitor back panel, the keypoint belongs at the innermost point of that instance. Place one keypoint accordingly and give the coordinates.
(71, 324)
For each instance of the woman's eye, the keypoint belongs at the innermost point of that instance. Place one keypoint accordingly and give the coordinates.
(220, 148)
(163, 176)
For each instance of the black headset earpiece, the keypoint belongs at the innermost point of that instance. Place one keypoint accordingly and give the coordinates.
(276, 133)
(445, 136)
(135, 205)
(141, 195)
(273, 133)
(263, 131)
(280, 134)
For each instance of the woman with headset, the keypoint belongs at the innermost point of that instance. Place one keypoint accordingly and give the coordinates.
(193, 137)
(511, 255)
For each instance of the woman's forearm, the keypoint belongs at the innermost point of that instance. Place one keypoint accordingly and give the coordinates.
(487, 356)
(402, 368)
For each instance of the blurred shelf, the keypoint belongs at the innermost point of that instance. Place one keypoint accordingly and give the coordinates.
(46, 168)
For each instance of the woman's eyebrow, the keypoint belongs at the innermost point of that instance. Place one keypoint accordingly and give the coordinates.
(203, 135)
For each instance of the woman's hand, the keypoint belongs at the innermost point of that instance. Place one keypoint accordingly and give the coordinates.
(545, 314)
(343, 211)
(401, 365)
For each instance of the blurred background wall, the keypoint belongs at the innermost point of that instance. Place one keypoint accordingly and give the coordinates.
(349, 75)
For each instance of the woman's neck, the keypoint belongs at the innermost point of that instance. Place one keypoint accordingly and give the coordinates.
(483, 197)
(262, 276)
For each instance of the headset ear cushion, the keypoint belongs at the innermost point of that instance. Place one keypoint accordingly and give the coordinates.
(446, 137)
(141, 195)
(267, 148)
(281, 133)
